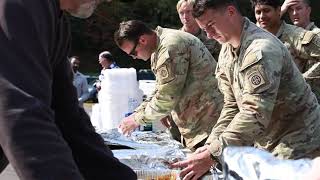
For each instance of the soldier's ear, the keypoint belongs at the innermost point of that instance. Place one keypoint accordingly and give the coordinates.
(231, 10)
(143, 39)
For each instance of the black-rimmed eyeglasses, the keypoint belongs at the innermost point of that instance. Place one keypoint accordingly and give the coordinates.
(133, 52)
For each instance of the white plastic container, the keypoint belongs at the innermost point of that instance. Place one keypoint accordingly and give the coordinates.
(118, 96)
(96, 117)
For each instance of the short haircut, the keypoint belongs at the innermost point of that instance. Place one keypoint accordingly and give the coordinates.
(74, 57)
(180, 2)
(273, 3)
(200, 6)
(131, 31)
(307, 2)
(106, 55)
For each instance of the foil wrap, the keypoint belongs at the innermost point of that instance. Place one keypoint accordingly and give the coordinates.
(151, 154)
(149, 159)
(255, 164)
(141, 139)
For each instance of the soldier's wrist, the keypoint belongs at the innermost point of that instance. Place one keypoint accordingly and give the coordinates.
(215, 149)
(139, 118)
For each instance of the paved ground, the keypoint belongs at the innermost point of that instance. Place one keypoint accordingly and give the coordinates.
(10, 174)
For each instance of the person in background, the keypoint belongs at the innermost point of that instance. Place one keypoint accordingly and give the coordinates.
(186, 87)
(184, 9)
(44, 133)
(267, 102)
(79, 80)
(106, 61)
(303, 45)
(299, 12)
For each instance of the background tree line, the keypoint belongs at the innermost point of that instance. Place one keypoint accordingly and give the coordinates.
(95, 34)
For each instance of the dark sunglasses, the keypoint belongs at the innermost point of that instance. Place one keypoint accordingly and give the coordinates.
(133, 52)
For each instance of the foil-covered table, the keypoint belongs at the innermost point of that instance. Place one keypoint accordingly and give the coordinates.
(148, 154)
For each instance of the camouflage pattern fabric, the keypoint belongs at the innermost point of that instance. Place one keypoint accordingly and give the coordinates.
(312, 27)
(214, 48)
(212, 45)
(267, 102)
(186, 86)
(312, 75)
(304, 47)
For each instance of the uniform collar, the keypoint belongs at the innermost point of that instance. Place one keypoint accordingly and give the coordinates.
(158, 31)
(281, 29)
(310, 26)
(244, 34)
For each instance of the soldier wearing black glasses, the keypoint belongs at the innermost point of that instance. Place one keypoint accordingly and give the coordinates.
(186, 85)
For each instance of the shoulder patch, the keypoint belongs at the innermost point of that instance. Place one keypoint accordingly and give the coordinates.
(308, 36)
(165, 74)
(162, 56)
(256, 80)
(250, 59)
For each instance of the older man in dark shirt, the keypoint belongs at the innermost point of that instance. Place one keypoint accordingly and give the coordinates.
(43, 132)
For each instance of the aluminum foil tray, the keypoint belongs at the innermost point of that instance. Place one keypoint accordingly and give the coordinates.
(140, 140)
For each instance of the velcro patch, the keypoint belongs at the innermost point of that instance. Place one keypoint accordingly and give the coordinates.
(255, 79)
(308, 36)
(165, 74)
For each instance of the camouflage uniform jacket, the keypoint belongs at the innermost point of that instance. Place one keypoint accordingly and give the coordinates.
(267, 102)
(304, 47)
(212, 45)
(186, 86)
(312, 27)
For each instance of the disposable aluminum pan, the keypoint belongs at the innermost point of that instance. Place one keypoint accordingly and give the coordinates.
(157, 174)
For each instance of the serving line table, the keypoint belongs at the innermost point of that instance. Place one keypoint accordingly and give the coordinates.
(149, 154)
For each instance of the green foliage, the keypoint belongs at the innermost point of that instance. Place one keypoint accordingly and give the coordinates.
(95, 34)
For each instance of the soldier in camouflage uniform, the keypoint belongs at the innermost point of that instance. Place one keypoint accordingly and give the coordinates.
(312, 27)
(299, 12)
(186, 85)
(303, 45)
(184, 9)
(267, 103)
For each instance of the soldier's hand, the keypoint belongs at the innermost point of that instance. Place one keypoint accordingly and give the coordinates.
(286, 4)
(165, 121)
(128, 125)
(195, 166)
(201, 149)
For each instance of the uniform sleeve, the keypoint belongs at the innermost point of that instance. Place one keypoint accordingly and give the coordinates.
(311, 51)
(143, 105)
(84, 90)
(229, 110)
(171, 76)
(260, 86)
(310, 46)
